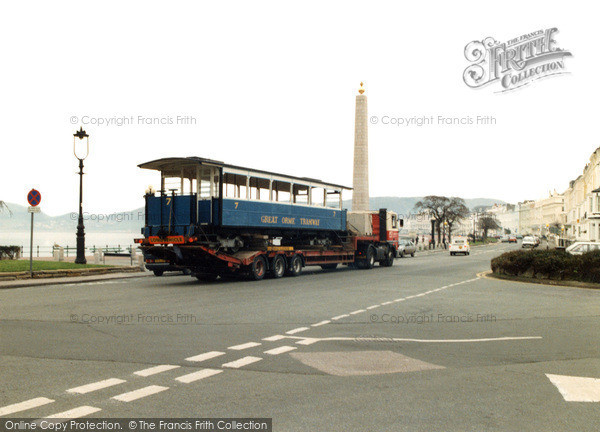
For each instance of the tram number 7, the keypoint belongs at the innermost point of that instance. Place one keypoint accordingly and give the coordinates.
(236, 204)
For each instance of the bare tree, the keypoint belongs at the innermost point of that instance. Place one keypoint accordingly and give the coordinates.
(487, 222)
(436, 206)
(457, 210)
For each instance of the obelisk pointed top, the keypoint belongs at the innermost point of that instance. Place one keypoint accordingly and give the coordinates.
(361, 90)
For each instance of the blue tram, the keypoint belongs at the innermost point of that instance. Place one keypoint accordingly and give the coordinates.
(233, 207)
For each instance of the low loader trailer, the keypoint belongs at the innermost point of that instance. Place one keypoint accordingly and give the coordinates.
(212, 219)
(373, 240)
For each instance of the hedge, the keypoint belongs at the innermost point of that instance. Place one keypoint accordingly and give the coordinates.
(549, 264)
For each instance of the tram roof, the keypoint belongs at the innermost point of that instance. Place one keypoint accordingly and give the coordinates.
(173, 166)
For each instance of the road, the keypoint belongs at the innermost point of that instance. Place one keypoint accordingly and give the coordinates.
(423, 345)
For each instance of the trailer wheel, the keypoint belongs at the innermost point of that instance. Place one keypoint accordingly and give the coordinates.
(158, 272)
(295, 267)
(331, 266)
(258, 268)
(389, 259)
(278, 266)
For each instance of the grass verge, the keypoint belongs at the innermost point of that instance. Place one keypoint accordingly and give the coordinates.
(23, 265)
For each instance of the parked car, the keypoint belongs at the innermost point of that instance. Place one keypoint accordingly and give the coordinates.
(460, 245)
(529, 241)
(406, 247)
(512, 239)
(505, 239)
(519, 237)
(581, 247)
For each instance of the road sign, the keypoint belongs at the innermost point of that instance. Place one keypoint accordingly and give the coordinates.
(34, 197)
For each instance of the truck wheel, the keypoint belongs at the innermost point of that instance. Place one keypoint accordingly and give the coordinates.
(370, 261)
(388, 261)
(331, 266)
(258, 268)
(295, 267)
(278, 266)
(158, 272)
(206, 277)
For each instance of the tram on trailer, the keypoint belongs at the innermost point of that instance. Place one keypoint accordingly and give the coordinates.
(213, 218)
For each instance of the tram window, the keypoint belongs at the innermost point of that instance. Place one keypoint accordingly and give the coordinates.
(259, 189)
(234, 185)
(229, 190)
(281, 191)
(333, 199)
(301, 194)
(318, 194)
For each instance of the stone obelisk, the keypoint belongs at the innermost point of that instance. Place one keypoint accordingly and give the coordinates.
(360, 179)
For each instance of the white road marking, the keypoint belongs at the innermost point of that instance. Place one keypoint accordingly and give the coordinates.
(205, 356)
(96, 386)
(320, 323)
(386, 303)
(244, 361)
(195, 376)
(25, 405)
(244, 346)
(576, 389)
(139, 393)
(297, 330)
(81, 411)
(399, 300)
(280, 350)
(155, 370)
(307, 341)
(358, 311)
(339, 317)
(373, 307)
(274, 338)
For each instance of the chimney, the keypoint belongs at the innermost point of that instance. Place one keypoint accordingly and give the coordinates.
(360, 179)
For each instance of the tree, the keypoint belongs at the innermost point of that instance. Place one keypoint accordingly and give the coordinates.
(555, 228)
(507, 231)
(487, 222)
(457, 210)
(4, 206)
(436, 206)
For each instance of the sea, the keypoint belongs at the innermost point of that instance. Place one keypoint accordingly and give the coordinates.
(44, 240)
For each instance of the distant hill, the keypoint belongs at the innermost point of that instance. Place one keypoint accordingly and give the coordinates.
(133, 220)
(406, 205)
(127, 221)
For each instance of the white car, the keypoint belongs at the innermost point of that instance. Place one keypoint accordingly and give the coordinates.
(460, 246)
(529, 241)
(579, 248)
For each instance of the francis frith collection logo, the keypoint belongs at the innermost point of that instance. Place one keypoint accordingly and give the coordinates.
(515, 63)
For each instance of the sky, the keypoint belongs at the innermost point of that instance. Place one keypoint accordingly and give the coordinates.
(272, 85)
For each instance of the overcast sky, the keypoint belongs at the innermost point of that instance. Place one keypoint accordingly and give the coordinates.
(273, 86)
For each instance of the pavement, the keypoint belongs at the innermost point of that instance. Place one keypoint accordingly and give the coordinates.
(423, 345)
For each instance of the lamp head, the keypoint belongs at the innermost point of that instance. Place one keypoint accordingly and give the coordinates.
(81, 134)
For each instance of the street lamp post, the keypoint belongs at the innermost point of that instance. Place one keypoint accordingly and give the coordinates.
(81, 134)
